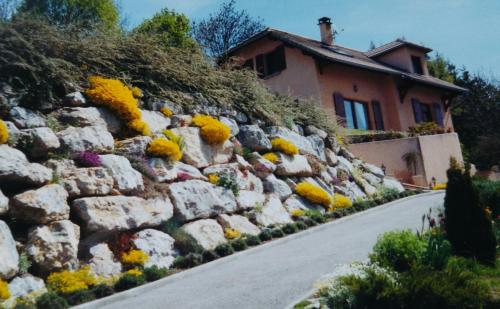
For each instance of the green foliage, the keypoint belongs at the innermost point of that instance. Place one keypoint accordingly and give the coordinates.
(398, 250)
(289, 228)
(302, 305)
(441, 68)
(239, 244)
(184, 242)
(301, 225)
(252, 240)
(437, 252)
(277, 232)
(265, 235)
(171, 28)
(51, 300)
(84, 14)
(102, 290)
(489, 194)
(128, 281)
(188, 261)
(79, 297)
(467, 226)
(24, 263)
(154, 273)
(309, 222)
(315, 215)
(229, 182)
(224, 250)
(209, 255)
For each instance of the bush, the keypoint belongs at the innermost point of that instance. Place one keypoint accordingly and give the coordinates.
(437, 252)
(88, 159)
(252, 240)
(52, 301)
(284, 146)
(313, 194)
(102, 290)
(265, 235)
(489, 194)
(277, 233)
(301, 225)
(24, 303)
(316, 215)
(188, 261)
(79, 297)
(128, 281)
(134, 258)
(209, 255)
(231, 233)
(309, 222)
(289, 228)
(224, 250)
(67, 281)
(398, 250)
(154, 273)
(340, 201)
(184, 242)
(239, 244)
(163, 147)
(229, 182)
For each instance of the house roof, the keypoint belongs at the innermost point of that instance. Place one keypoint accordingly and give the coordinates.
(395, 45)
(347, 56)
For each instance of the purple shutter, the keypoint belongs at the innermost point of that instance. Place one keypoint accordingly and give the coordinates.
(338, 99)
(438, 114)
(417, 110)
(377, 115)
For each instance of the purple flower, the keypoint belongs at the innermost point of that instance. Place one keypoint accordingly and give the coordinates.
(432, 222)
(88, 159)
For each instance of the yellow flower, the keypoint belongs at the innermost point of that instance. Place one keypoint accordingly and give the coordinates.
(340, 201)
(297, 213)
(179, 140)
(488, 211)
(67, 281)
(439, 186)
(136, 92)
(202, 120)
(162, 147)
(133, 272)
(134, 257)
(271, 156)
(4, 133)
(313, 193)
(140, 126)
(166, 111)
(231, 233)
(4, 290)
(212, 130)
(213, 179)
(284, 146)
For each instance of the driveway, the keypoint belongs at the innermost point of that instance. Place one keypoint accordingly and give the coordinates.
(280, 272)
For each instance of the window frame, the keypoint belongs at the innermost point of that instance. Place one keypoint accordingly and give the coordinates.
(354, 113)
(263, 62)
(420, 70)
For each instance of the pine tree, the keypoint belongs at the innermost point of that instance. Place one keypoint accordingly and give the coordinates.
(467, 226)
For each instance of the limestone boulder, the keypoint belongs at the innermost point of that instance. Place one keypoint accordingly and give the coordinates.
(344, 163)
(239, 223)
(156, 120)
(353, 191)
(318, 144)
(249, 199)
(296, 202)
(273, 212)
(312, 130)
(16, 169)
(26, 286)
(126, 179)
(90, 116)
(245, 179)
(4, 204)
(278, 187)
(207, 233)
(305, 144)
(133, 146)
(121, 213)
(93, 181)
(61, 167)
(254, 138)
(366, 186)
(92, 138)
(194, 199)
(296, 165)
(54, 246)
(75, 99)
(391, 183)
(200, 154)
(261, 167)
(25, 118)
(102, 261)
(43, 205)
(42, 140)
(231, 124)
(157, 245)
(165, 171)
(181, 120)
(372, 179)
(346, 154)
(375, 170)
(331, 157)
(9, 258)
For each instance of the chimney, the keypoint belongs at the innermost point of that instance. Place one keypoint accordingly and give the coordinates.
(325, 27)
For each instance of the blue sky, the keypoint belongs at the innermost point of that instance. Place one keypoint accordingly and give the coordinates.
(465, 31)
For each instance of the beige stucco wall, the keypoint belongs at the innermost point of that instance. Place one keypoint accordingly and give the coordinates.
(433, 155)
(401, 58)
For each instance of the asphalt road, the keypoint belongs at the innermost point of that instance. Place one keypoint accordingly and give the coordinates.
(280, 272)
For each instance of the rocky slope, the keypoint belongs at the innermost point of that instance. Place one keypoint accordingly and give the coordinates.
(60, 214)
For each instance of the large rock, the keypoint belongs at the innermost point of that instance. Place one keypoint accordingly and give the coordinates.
(305, 144)
(157, 121)
(88, 182)
(90, 116)
(157, 245)
(231, 124)
(93, 138)
(245, 179)
(15, 168)
(296, 202)
(273, 212)
(169, 171)
(252, 137)
(318, 145)
(375, 170)
(250, 199)
(239, 223)
(296, 165)
(194, 199)
(4, 203)
(372, 179)
(102, 261)
(26, 286)
(207, 233)
(54, 246)
(41, 206)
(135, 146)
(127, 179)
(42, 140)
(277, 186)
(121, 213)
(331, 157)
(261, 167)
(344, 163)
(312, 130)
(353, 191)
(9, 258)
(200, 154)
(75, 99)
(391, 183)
(61, 167)
(25, 118)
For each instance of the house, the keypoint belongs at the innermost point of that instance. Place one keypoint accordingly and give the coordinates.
(386, 88)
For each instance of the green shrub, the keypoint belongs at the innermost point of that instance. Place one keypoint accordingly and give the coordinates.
(252, 240)
(229, 182)
(316, 215)
(398, 250)
(309, 222)
(188, 261)
(52, 301)
(302, 305)
(102, 290)
(224, 250)
(79, 297)
(277, 233)
(239, 244)
(24, 303)
(489, 194)
(301, 225)
(265, 235)
(209, 256)
(289, 228)
(128, 281)
(437, 252)
(154, 273)
(184, 242)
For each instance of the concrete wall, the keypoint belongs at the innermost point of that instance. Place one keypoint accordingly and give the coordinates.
(433, 154)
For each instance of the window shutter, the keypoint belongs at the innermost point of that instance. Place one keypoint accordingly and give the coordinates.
(438, 114)
(338, 99)
(377, 115)
(417, 110)
(280, 58)
(260, 67)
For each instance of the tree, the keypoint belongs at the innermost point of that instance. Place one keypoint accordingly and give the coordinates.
(7, 8)
(225, 29)
(85, 14)
(171, 28)
(442, 69)
(467, 226)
